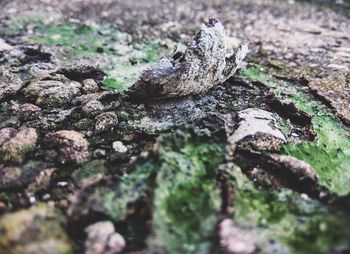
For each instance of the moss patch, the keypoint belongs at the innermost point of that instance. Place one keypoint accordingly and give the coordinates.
(186, 201)
(330, 153)
(284, 222)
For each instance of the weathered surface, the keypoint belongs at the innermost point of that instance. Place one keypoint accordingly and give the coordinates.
(66, 147)
(52, 93)
(16, 147)
(202, 66)
(160, 171)
(254, 123)
(106, 122)
(32, 231)
(33, 172)
(10, 83)
(234, 240)
(102, 239)
(89, 173)
(335, 89)
(4, 46)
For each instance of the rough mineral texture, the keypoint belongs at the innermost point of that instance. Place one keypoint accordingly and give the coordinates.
(52, 93)
(102, 239)
(32, 231)
(234, 240)
(15, 148)
(10, 83)
(202, 66)
(121, 133)
(255, 123)
(66, 147)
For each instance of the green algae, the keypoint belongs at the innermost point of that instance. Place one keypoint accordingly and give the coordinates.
(330, 153)
(186, 201)
(256, 74)
(285, 222)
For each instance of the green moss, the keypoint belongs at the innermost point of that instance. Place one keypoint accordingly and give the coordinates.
(149, 52)
(121, 61)
(284, 222)
(84, 40)
(186, 201)
(111, 83)
(330, 153)
(256, 74)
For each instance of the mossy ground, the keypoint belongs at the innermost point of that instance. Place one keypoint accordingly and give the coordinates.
(285, 222)
(329, 154)
(186, 199)
(170, 200)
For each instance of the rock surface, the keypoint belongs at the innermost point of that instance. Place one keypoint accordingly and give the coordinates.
(52, 93)
(119, 147)
(106, 121)
(32, 231)
(14, 177)
(66, 147)
(253, 123)
(4, 46)
(234, 240)
(202, 66)
(10, 84)
(102, 239)
(19, 145)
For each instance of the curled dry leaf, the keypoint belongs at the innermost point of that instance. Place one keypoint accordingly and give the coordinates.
(202, 66)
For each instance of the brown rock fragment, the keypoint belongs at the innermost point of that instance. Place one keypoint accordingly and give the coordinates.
(15, 148)
(66, 146)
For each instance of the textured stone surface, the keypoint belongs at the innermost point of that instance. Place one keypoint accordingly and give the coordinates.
(335, 89)
(106, 121)
(16, 147)
(66, 147)
(10, 84)
(234, 240)
(254, 122)
(102, 239)
(52, 93)
(32, 231)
